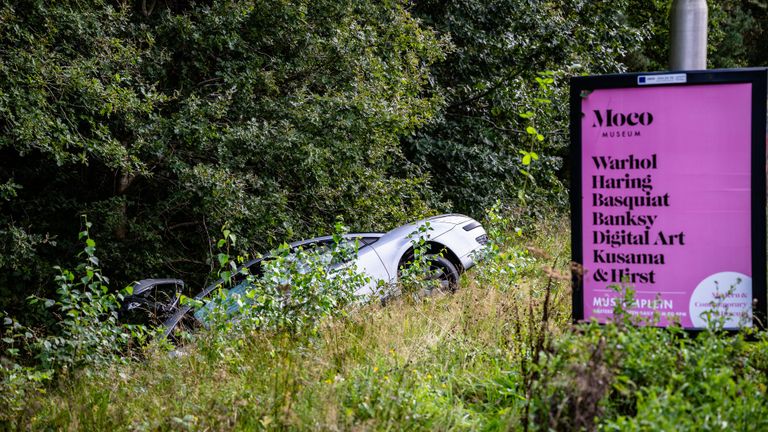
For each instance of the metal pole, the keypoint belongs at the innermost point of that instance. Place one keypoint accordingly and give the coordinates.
(689, 35)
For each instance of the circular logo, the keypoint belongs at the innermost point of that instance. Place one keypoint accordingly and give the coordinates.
(724, 300)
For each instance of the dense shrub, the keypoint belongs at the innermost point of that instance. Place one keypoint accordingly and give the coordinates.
(294, 290)
(488, 80)
(163, 122)
(79, 331)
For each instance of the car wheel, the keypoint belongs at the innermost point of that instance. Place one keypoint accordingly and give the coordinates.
(443, 270)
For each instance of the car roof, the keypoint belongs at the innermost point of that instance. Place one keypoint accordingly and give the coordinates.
(327, 238)
(207, 290)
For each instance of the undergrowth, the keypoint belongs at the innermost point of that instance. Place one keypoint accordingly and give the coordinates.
(499, 354)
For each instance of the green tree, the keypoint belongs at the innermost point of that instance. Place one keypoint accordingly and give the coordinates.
(488, 79)
(737, 34)
(163, 120)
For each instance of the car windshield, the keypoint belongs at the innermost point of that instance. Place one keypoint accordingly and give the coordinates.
(230, 301)
(300, 260)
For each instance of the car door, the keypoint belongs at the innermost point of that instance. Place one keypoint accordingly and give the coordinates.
(369, 263)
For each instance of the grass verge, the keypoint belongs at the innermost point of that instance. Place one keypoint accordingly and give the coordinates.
(500, 354)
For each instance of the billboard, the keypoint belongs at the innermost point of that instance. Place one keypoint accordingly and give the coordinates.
(668, 196)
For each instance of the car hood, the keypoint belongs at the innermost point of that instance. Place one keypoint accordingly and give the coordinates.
(453, 218)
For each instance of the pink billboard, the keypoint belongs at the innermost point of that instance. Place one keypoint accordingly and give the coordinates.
(666, 199)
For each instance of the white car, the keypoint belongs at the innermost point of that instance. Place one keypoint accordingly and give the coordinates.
(451, 241)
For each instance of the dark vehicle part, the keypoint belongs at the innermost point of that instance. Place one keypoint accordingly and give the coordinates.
(152, 302)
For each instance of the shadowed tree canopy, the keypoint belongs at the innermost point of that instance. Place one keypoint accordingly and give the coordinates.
(488, 78)
(163, 121)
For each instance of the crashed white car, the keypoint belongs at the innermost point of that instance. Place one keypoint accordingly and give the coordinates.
(451, 242)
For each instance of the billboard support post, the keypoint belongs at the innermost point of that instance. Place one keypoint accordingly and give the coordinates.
(688, 35)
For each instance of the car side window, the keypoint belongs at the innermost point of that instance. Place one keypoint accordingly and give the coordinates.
(368, 240)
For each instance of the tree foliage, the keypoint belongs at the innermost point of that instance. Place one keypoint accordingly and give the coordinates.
(489, 78)
(162, 121)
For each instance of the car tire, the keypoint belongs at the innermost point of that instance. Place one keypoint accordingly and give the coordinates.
(443, 269)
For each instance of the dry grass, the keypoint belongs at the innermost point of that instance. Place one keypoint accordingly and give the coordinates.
(499, 354)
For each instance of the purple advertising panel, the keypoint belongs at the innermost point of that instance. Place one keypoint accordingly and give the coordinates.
(667, 196)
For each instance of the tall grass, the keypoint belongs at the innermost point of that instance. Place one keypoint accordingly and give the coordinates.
(499, 354)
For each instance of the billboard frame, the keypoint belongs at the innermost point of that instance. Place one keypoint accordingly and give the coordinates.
(758, 77)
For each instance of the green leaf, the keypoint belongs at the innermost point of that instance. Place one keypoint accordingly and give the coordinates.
(531, 130)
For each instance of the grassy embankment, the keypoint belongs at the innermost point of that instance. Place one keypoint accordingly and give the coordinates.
(499, 354)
